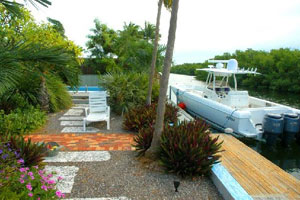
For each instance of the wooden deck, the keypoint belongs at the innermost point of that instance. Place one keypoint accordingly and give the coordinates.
(258, 176)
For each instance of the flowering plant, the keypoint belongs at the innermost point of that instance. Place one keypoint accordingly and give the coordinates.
(20, 182)
(50, 147)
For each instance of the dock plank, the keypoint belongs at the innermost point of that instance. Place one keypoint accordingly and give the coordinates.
(260, 178)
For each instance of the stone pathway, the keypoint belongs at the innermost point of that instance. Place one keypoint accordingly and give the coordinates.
(72, 120)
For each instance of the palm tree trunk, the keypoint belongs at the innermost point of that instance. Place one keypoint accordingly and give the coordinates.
(159, 122)
(154, 54)
(44, 96)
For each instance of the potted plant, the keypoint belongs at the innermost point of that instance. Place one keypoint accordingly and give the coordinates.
(52, 149)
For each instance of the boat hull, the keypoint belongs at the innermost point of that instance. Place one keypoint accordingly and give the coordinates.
(244, 122)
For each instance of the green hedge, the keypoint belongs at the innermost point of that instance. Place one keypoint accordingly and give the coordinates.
(20, 122)
(127, 90)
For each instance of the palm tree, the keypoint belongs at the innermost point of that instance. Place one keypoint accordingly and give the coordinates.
(167, 4)
(14, 7)
(159, 122)
(16, 60)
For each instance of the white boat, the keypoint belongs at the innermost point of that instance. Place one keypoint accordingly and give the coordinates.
(226, 107)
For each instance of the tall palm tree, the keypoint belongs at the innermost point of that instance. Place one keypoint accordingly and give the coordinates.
(159, 122)
(167, 4)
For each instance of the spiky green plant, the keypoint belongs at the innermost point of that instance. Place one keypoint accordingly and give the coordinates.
(32, 153)
(142, 141)
(188, 149)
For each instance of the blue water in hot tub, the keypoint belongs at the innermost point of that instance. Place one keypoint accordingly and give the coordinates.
(84, 89)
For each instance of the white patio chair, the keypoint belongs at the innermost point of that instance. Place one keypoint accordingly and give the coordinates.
(98, 109)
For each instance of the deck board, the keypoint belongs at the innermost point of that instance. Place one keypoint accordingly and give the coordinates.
(260, 178)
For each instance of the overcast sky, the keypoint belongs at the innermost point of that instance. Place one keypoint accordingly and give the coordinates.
(205, 28)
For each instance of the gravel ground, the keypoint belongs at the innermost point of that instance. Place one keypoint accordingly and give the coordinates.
(53, 126)
(124, 175)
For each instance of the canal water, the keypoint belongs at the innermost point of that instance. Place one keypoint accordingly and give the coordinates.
(287, 158)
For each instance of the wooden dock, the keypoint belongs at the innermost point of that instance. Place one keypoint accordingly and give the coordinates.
(259, 177)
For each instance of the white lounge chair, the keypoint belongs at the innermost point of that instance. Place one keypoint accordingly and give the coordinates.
(98, 109)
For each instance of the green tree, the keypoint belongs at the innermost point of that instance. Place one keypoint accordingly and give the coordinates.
(159, 122)
(29, 50)
(129, 49)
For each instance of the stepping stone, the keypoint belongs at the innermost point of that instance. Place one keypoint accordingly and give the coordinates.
(79, 130)
(71, 123)
(103, 198)
(81, 106)
(71, 119)
(76, 112)
(68, 174)
(80, 156)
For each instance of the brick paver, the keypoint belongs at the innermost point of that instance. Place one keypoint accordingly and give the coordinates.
(88, 142)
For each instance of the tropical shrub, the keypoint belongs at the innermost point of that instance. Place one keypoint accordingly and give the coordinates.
(59, 97)
(18, 180)
(20, 122)
(32, 53)
(143, 140)
(21, 171)
(188, 149)
(127, 90)
(144, 116)
(31, 152)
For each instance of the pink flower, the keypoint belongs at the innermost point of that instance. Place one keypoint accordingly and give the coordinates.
(50, 175)
(32, 177)
(44, 187)
(29, 187)
(21, 180)
(51, 182)
(22, 175)
(20, 161)
(22, 169)
(60, 178)
(38, 198)
(58, 193)
(30, 173)
(36, 168)
(30, 194)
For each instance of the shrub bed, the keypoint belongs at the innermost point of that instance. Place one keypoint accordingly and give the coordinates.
(127, 90)
(188, 149)
(144, 117)
(20, 122)
(22, 175)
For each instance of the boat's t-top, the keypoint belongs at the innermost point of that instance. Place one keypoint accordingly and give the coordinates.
(219, 70)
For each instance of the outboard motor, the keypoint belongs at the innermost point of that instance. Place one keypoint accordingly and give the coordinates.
(273, 127)
(291, 128)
